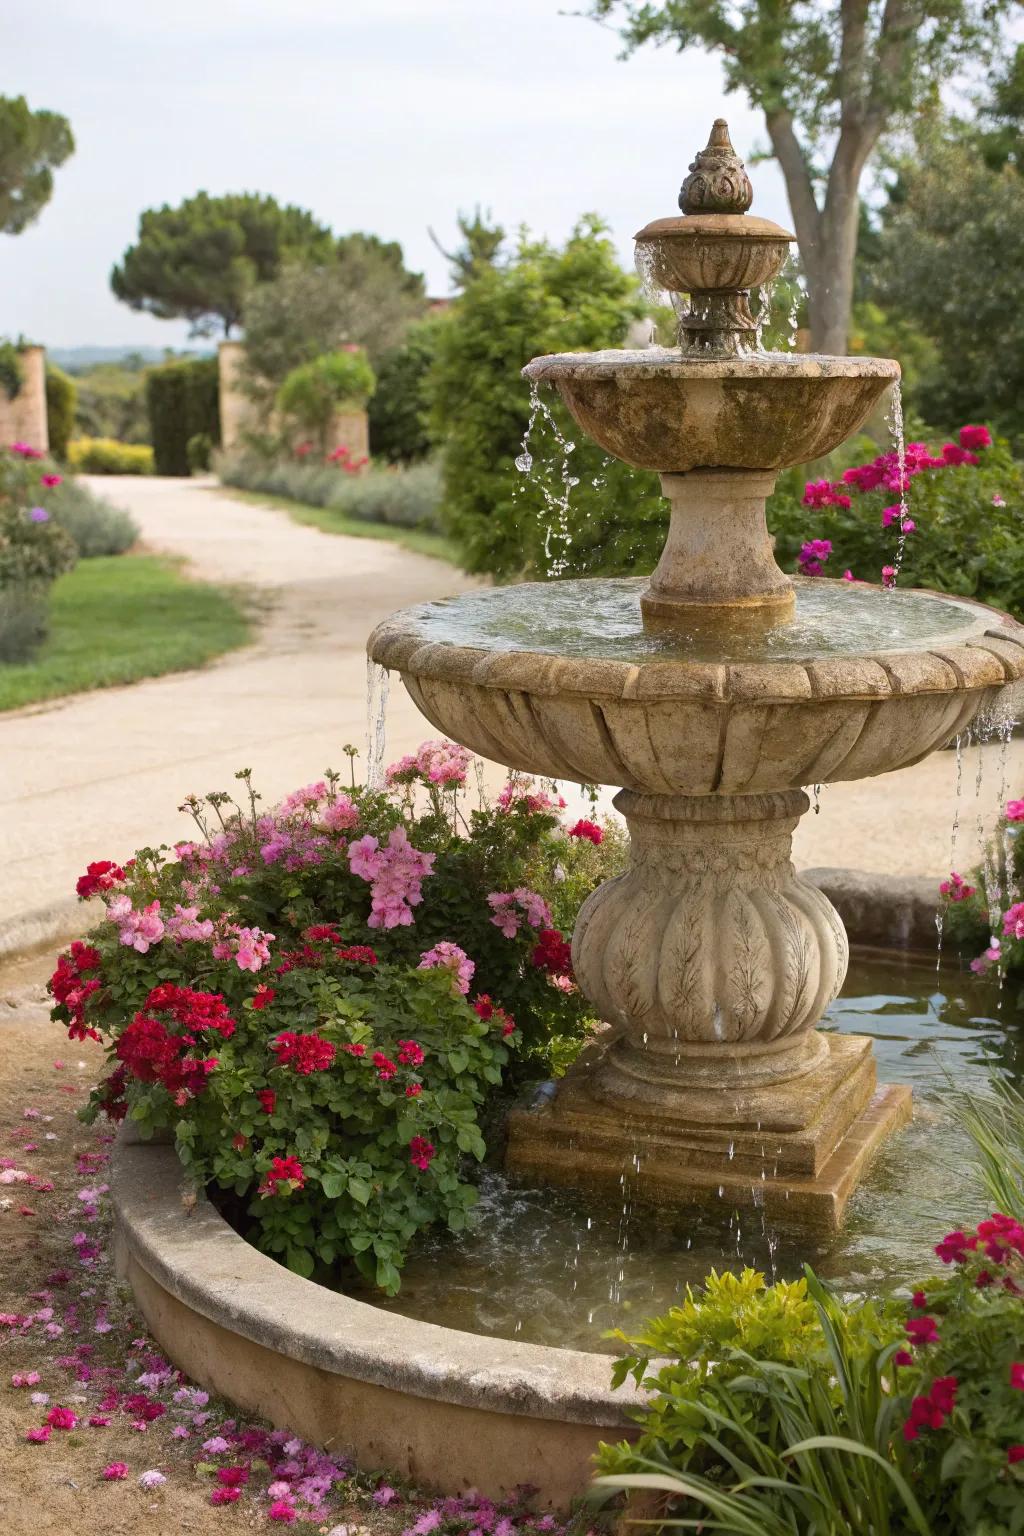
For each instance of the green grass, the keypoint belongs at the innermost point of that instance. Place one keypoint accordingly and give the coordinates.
(119, 618)
(420, 540)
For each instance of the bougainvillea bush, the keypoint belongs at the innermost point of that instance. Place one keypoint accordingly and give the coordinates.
(318, 1001)
(787, 1412)
(958, 528)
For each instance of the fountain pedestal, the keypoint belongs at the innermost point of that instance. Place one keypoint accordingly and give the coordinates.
(712, 961)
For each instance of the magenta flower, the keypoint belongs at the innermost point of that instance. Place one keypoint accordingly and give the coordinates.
(115, 1471)
(451, 958)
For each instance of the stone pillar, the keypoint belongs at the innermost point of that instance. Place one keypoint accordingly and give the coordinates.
(712, 961)
(718, 556)
(237, 413)
(24, 419)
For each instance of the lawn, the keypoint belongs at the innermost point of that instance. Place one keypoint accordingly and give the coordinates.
(119, 618)
(420, 540)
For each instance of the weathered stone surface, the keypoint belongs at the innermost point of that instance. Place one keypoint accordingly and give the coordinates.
(657, 409)
(446, 1408)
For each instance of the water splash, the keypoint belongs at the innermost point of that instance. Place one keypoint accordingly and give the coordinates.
(896, 427)
(378, 684)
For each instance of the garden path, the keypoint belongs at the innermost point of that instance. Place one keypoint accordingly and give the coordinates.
(99, 774)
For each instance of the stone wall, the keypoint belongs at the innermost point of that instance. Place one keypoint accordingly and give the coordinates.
(239, 415)
(23, 419)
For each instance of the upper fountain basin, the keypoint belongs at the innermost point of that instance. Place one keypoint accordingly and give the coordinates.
(711, 252)
(656, 409)
(561, 679)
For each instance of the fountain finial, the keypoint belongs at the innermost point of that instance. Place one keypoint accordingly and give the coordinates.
(718, 180)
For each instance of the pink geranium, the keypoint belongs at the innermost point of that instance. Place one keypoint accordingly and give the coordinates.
(510, 907)
(452, 958)
(395, 872)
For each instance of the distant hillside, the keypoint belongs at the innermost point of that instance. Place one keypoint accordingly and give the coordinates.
(75, 359)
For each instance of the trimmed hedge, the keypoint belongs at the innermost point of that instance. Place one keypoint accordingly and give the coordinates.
(182, 401)
(61, 401)
(106, 456)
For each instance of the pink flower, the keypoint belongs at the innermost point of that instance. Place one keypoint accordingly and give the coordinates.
(956, 887)
(396, 874)
(888, 575)
(38, 1436)
(1013, 921)
(848, 576)
(437, 762)
(115, 1471)
(250, 947)
(451, 958)
(509, 907)
(283, 1511)
(151, 1479)
(49, 480)
(954, 455)
(822, 493)
(921, 1330)
(185, 923)
(813, 556)
(138, 930)
(987, 959)
(891, 515)
(970, 437)
(997, 500)
(1015, 810)
(61, 1418)
(341, 815)
(225, 1495)
(1017, 1375)
(519, 791)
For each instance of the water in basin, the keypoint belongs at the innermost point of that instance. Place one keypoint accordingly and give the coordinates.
(600, 619)
(560, 1267)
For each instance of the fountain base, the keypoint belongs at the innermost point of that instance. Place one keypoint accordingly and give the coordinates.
(796, 1148)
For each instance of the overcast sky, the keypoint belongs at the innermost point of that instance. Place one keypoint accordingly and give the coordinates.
(378, 115)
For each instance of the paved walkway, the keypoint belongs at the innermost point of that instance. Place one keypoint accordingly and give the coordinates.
(97, 775)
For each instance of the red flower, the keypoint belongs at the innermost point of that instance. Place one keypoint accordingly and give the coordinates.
(386, 1068)
(354, 1050)
(1017, 1375)
(552, 953)
(902, 1357)
(410, 1054)
(51, 480)
(358, 954)
(224, 1495)
(414, 1090)
(919, 1300)
(232, 1477)
(101, 876)
(970, 437)
(421, 1153)
(921, 1330)
(952, 455)
(326, 931)
(588, 829)
(1015, 1454)
(263, 996)
(267, 1098)
(306, 1053)
(239, 1142)
(283, 1170)
(931, 1412)
(483, 1007)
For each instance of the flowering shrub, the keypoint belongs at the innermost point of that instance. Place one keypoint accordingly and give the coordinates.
(983, 913)
(318, 1000)
(34, 551)
(783, 1409)
(958, 529)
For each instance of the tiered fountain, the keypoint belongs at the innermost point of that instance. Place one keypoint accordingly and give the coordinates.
(711, 694)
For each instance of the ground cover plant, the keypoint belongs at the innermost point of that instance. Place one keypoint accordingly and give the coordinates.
(320, 1000)
(115, 620)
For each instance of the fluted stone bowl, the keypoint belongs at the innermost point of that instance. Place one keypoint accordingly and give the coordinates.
(657, 409)
(698, 727)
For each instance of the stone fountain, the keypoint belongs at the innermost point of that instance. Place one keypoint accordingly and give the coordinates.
(710, 694)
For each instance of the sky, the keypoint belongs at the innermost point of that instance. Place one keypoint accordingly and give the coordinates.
(387, 116)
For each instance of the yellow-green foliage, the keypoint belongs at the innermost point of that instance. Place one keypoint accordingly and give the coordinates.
(104, 456)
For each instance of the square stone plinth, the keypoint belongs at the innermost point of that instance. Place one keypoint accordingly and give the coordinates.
(799, 1153)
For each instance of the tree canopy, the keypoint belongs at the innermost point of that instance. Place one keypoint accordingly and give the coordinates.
(362, 294)
(830, 76)
(200, 261)
(32, 146)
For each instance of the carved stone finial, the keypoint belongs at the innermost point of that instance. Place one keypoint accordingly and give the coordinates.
(718, 181)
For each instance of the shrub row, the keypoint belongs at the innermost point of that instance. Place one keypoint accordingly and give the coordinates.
(106, 456)
(183, 402)
(407, 497)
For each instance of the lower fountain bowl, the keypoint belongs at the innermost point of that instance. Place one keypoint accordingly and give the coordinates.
(531, 677)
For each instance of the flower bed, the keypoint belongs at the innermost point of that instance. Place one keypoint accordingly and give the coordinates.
(322, 1001)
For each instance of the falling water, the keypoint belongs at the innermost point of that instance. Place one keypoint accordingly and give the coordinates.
(378, 682)
(556, 499)
(653, 292)
(764, 311)
(895, 417)
(940, 914)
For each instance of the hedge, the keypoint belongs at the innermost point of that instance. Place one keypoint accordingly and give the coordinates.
(182, 401)
(61, 401)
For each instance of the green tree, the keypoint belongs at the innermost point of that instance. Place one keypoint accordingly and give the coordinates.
(200, 261)
(399, 409)
(32, 146)
(480, 248)
(314, 393)
(831, 77)
(957, 278)
(576, 510)
(362, 295)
